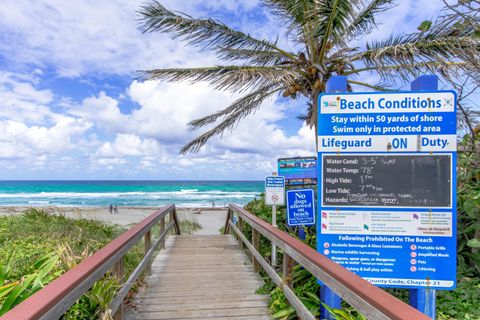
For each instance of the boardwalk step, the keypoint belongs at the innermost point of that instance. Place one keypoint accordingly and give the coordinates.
(202, 277)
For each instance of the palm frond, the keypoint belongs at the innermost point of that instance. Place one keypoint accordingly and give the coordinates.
(412, 49)
(205, 33)
(294, 11)
(371, 86)
(251, 100)
(405, 72)
(296, 14)
(242, 108)
(448, 39)
(333, 19)
(236, 78)
(364, 20)
(253, 57)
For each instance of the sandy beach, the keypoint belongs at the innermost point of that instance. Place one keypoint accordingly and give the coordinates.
(211, 219)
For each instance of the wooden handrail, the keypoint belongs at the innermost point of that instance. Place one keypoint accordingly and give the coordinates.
(54, 300)
(370, 300)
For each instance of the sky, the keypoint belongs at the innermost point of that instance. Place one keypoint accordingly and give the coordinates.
(72, 108)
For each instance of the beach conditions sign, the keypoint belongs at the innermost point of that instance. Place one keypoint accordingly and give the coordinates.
(387, 206)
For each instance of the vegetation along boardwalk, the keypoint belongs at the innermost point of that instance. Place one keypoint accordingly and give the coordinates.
(202, 277)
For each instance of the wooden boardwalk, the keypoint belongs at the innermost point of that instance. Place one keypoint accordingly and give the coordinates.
(202, 277)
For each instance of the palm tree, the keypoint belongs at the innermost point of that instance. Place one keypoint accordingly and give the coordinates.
(324, 30)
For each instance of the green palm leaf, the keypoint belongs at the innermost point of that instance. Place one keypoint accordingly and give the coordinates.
(253, 57)
(334, 17)
(364, 20)
(408, 50)
(238, 110)
(226, 77)
(251, 100)
(205, 33)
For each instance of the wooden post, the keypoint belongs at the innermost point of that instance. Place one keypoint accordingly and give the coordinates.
(171, 218)
(162, 230)
(288, 263)
(118, 273)
(256, 245)
(148, 244)
(227, 219)
(240, 227)
(232, 219)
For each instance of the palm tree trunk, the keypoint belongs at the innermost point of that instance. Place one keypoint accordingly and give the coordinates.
(314, 119)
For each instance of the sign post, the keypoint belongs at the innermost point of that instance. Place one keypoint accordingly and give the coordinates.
(387, 202)
(274, 195)
(424, 299)
(299, 173)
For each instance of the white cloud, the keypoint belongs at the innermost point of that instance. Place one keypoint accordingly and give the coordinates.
(80, 37)
(17, 140)
(167, 108)
(21, 101)
(129, 145)
(103, 111)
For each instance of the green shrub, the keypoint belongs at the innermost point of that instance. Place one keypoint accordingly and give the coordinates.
(36, 248)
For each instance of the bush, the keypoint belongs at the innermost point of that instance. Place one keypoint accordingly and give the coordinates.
(36, 248)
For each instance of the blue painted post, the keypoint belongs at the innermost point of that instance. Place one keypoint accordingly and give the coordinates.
(301, 234)
(424, 299)
(327, 296)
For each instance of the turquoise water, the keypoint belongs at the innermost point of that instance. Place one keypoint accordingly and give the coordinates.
(128, 193)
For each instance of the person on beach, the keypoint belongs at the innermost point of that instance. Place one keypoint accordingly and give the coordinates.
(110, 209)
(115, 209)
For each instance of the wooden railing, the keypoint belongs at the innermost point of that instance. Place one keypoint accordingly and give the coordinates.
(57, 297)
(371, 301)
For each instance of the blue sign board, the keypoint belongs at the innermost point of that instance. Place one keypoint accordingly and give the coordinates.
(387, 206)
(300, 207)
(298, 171)
(274, 182)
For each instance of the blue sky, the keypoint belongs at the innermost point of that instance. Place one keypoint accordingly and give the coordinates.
(71, 108)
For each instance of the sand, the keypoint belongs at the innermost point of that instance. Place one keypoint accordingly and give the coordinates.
(211, 219)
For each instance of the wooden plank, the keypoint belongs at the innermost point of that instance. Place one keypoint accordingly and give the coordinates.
(194, 299)
(165, 295)
(205, 305)
(256, 245)
(119, 273)
(203, 314)
(202, 277)
(255, 317)
(288, 264)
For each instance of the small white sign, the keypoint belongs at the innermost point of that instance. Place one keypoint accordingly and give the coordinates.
(274, 190)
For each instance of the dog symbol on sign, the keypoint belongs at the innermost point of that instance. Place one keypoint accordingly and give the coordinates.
(274, 198)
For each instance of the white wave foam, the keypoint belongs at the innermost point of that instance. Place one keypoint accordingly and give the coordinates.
(191, 194)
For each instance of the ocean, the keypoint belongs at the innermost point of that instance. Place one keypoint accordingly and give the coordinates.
(128, 193)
